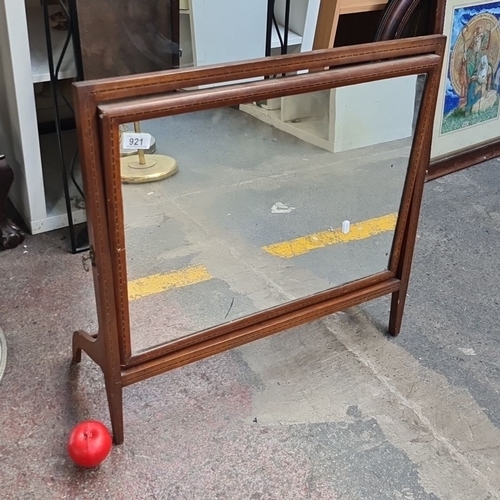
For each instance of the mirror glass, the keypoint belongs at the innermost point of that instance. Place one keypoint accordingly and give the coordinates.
(211, 32)
(271, 202)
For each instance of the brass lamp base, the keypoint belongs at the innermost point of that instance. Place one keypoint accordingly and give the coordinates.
(156, 168)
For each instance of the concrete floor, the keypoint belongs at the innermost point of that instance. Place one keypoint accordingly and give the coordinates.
(217, 212)
(332, 410)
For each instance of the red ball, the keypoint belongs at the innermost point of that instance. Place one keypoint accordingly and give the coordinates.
(89, 443)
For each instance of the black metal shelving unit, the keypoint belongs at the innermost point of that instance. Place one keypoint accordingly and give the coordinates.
(271, 20)
(78, 238)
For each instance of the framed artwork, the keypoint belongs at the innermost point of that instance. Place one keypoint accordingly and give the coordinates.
(468, 111)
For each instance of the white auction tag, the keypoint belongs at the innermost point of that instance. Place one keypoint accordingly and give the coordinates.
(134, 140)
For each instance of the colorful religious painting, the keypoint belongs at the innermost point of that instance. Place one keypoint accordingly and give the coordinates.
(468, 111)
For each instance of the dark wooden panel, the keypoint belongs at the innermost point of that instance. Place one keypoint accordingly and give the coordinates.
(127, 37)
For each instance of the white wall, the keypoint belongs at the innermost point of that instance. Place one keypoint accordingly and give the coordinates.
(18, 123)
(373, 113)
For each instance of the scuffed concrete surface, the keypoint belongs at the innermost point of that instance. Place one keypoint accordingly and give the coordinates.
(218, 212)
(333, 410)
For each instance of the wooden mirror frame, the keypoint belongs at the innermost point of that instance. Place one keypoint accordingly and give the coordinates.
(101, 104)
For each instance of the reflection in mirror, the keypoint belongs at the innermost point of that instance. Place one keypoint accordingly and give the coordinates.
(273, 201)
(211, 31)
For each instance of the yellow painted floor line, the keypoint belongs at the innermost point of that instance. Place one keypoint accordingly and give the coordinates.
(157, 283)
(358, 231)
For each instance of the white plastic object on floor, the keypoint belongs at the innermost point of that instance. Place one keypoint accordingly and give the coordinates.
(346, 226)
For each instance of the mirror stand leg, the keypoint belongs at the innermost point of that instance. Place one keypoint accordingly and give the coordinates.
(115, 402)
(404, 268)
(83, 341)
(86, 342)
(398, 298)
(397, 309)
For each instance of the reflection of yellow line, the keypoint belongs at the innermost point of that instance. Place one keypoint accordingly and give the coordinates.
(157, 283)
(358, 231)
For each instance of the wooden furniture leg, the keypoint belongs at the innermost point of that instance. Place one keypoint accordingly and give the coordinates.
(93, 346)
(86, 342)
(406, 260)
(398, 298)
(10, 235)
(328, 20)
(114, 391)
